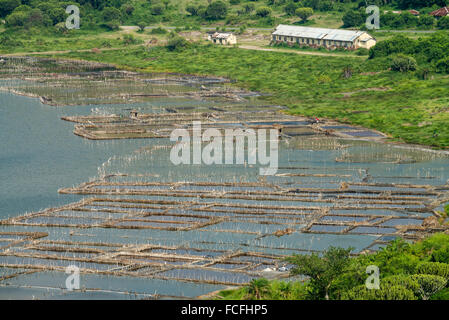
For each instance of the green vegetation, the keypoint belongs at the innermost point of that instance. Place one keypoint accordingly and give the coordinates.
(406, 272)
(260, 13)
(430, 51)
(410, 106)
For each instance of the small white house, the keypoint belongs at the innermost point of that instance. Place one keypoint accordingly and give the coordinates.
(222, 38)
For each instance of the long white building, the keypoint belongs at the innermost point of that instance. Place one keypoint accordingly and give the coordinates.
(322, 37)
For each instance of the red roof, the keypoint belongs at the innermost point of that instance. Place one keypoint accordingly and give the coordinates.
(442, 12)
(414, 12)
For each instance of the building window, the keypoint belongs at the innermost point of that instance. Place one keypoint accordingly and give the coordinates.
(307, 41)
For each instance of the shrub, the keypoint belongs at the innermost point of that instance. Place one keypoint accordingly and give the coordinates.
(263, 12)
(443, 23)
(157, 9)
(429, 284)
(353, 19)
(111, 14)
(129, 39)
(290, 8)
(16, 18)
(443, 65)
(362, 52)
(158, 30)
(403, 63)
(176, 43)
(7, 6)
(112, 25)
(384, 293)
(441, 295)
(434, 268)
(426, 21)
(192, 9)
(216, 10)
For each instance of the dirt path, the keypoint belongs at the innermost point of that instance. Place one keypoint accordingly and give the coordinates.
(311, 53)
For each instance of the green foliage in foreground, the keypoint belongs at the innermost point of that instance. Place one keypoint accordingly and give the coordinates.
(407, 272)
(400, 104)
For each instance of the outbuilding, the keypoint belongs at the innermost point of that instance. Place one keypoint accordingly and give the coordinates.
(222, 38)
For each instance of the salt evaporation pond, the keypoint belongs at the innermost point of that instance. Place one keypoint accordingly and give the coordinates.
(139, 227)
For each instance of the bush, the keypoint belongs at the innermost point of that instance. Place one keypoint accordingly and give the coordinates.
(176, 43)
(426, 21)
(7, 6)
(429, 284)
(263, 12)
(157, 9)
(362, 52)
(112, 25)
(16, 18)
(216, 10)
(111, 14)
(129, 39)
(434, 268)
(290, 8)
(353, 19)
(443, 23)
(441, 295)
(192, 9)
(158, 30)
(384, 293)
(403, 63)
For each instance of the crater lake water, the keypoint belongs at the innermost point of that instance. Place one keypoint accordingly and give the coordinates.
(40, 154)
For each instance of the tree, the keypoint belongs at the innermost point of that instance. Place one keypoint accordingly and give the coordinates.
(249, 7)
(176, 42)
(443, 23)
(111, 14)
(216, 10)
(258, 289)
(443, 65)
(426, 21)
(403, 63)
(192, 9)
(322, 271)
(157, 9)
(141, 25)
(263, 12)
(352, 18)
(290, 8)
(7, 6)
(304, 13)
